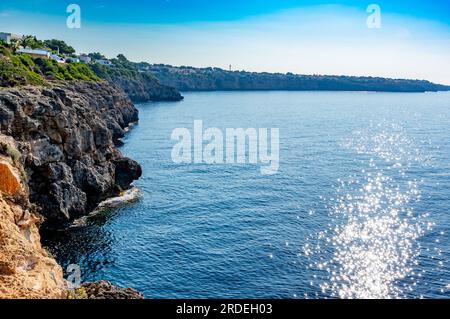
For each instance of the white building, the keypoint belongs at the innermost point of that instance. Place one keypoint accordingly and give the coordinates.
(104, 62)
(57, 58)
(7, 37)
(85, 58)
(73, 60)
(35, 53)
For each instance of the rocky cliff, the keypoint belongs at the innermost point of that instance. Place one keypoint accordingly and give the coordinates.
(147, 89)
(26, 269)
(66, 134)
(139, 85)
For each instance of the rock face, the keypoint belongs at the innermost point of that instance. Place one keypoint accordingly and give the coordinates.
(9, 181)
(26, 270)
(146, 89)
(67, 135)
(105, 290)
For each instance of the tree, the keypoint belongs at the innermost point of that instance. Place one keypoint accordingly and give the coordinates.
(122, 58)
(14, 44)
(96, 56)
(30, 41)
(59, 45)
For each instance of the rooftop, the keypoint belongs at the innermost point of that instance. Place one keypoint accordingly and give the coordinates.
(33, 51)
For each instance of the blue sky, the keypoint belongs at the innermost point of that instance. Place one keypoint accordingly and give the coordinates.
(179, 11)
(300, 36)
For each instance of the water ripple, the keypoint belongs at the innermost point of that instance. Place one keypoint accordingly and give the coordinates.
(375, 228)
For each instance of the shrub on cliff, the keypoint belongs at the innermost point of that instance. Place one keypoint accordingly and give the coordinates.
(14, 72)
(121, 68)
(22, 69)
(71, 71)
(81, 72)
(49, 68)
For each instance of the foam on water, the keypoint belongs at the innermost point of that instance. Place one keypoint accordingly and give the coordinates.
(129, 196)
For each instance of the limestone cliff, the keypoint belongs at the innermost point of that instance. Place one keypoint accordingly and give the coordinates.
(26, 269)
(58, 160)
(67, 134)
(147, 88)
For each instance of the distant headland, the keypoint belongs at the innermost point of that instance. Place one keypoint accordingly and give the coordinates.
(27, 60)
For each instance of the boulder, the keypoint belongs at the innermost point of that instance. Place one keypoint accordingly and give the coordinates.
(105, 290)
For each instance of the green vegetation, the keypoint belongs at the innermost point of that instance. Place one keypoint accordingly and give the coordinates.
(59, 46)
(138, 79)
(96, 56)
(121, 67)
(10, 152)
(22, 69)
(17, 70)
(51, 69)
(187, 78)
(31, 42)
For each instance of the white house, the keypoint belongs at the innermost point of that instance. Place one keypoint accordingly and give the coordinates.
(73, 60)
(85, 58)
(104, 62)
(35, 53)
(7, 37)
(57, 58)
(144, 69)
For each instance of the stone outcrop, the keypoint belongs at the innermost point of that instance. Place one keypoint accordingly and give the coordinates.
(26, 269)
(67, 135)
(105, 290)
(147, 88)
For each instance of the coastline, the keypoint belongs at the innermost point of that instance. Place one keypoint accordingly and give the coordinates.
(129, 196)
(72, 148)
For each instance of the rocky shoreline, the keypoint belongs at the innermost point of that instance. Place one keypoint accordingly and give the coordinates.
(59, 160)
(67, 135)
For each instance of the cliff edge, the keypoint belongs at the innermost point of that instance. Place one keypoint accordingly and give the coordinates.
(67, 134)
(58, 160)
(26, 269)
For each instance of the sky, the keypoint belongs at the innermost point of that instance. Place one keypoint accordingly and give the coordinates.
(298, 36)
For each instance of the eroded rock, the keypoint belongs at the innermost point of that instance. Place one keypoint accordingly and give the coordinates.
(105, 290)
(67, 135)
(26, 270)
(9, 181)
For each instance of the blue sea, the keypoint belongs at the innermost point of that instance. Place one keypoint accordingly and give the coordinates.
(359, 208)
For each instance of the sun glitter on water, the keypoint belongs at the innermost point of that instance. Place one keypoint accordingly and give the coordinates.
(372, 251)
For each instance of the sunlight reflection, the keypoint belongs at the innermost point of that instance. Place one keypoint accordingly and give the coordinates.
(374, 245)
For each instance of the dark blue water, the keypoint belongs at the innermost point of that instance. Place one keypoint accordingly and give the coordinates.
(359, 208)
